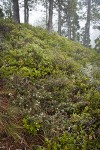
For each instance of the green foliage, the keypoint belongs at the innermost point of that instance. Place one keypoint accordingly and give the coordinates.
(57, 84)
(1, 13)
(31, 125)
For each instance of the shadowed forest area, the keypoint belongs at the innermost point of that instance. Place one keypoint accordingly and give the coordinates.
(49, 87)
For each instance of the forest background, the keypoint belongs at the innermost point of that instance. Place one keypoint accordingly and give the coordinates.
(78, 20)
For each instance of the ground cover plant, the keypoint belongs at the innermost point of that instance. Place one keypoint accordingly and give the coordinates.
(50, 90)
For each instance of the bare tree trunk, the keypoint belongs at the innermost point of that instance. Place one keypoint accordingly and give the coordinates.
(46, 14)
(86, 41)
(50, 15)
(26, 11)
(73, 32)
(69, 27)
(59, 17)
(69, 19)
(16, 11)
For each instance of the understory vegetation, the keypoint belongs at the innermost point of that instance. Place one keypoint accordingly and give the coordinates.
(50, 90)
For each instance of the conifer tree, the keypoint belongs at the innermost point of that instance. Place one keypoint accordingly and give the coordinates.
(86, 41)
(26, 11)
(16, 16)
(59, 16)
(1, 13)
(50, 26)
(71, 19)
(6, 6)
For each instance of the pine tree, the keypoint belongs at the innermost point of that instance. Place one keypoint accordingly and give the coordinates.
(1, 13)
(7, 8)
(28, 6)
(71, 19)
(16, 11)
(50, 26)
(46, 6)
(59, 16)
(26, 11)
(45, 3)
(86, 41)
(92, 18)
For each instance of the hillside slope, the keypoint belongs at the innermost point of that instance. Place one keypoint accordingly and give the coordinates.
(53, 84)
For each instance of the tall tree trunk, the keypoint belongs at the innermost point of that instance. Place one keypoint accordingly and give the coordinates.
(26, 11)
(10, 9)
(46, 14)
(59, 17)
(69, 26)
(50, 15)
(69, 18)
(16, 11)
(86, 41)
(73, 32)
